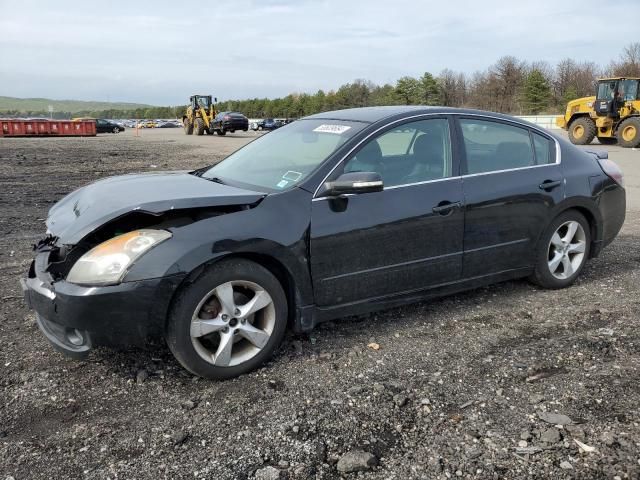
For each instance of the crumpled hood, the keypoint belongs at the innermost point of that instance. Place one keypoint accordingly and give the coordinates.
(89, 207)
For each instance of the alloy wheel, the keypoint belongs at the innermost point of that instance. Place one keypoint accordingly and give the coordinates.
(232, 323)
(566, 250)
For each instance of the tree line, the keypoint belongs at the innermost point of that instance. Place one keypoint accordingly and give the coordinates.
(509, 86)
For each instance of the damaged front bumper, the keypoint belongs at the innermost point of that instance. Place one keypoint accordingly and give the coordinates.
(75, 318)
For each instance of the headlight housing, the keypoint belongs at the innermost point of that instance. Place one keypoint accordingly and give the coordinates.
(107, 263)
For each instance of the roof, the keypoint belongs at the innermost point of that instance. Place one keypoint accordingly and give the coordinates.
(369, 114)
(374, 114)
(618, 78)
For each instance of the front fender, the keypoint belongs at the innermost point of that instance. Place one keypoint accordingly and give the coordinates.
(277, 228)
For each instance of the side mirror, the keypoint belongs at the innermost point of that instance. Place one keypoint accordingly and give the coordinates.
(354, 182)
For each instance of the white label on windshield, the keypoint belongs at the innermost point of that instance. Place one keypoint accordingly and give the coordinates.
(282, 184)
(337, 129)
(292, 176)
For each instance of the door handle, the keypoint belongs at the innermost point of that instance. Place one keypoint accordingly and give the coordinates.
(550, 184)
(445, 207)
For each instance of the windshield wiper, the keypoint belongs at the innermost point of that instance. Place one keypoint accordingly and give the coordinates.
(215, 179)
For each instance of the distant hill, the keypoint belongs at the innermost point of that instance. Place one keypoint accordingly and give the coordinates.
(72, 106)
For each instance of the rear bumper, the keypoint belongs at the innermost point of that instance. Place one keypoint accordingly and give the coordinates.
(613, 205)
(75, 318)
(235, 125)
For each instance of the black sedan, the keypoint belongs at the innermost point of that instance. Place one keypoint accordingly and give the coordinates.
(225, 122)
(336, 214)
(107, 126)
(267, 124)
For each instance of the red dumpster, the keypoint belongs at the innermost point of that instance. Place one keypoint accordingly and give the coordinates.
(43, 128)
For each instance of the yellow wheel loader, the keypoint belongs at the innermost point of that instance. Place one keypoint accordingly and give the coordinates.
(612, 115)
(200, 113)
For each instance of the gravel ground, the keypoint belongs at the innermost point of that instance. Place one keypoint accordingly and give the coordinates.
(508, 381)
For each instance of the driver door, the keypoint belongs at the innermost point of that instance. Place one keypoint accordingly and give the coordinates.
(405, 238)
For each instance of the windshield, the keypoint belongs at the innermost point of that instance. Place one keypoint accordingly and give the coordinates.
(606, 90)
(283, 158)
(203, 101)
(629, 89)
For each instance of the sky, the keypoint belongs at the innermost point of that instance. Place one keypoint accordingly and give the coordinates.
(160, 52)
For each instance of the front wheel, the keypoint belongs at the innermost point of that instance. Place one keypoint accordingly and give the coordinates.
(222, 132)
(188, 126)
(115, 130)
(199, 127)
(562, 251)
(228, 321)
(582, 131)
(629, 133)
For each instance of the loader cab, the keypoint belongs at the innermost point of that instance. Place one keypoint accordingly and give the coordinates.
(612, 93)
(201, 101)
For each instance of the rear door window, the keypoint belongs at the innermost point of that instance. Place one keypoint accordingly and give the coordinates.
(493, 146)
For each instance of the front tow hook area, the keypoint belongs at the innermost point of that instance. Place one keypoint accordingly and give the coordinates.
(71, 342)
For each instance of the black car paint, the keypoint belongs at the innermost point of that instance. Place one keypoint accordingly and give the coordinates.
(233, 121)
(315, 246)
(107, 126)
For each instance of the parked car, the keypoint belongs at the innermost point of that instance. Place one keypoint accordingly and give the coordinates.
(147, 124)
(225, 122)
(267, 124)
(170, 124)
(338, 214)
(107, 126)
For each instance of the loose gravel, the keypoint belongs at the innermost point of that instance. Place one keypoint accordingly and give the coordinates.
(504, 382)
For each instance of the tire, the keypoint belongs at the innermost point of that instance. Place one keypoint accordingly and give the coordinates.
(188, 126)
(629, 132)
(607, 140)
(222, 132)
(254, 126)
(204, 353)
(115, 130)
(582, 131)
(552, 269)
(199, 126)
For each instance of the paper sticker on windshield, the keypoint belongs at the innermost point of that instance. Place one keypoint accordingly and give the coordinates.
(282, 184)
(337, 129)
(292, 176)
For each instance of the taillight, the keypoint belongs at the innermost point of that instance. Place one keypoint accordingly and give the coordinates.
(612, 169)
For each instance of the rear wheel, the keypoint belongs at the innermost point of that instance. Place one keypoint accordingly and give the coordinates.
(188, 126)
(629, 132)
(222, 131)
(607, 140)
(228, 321)
(562, 251)
(582, 131)
(199, 127)
(115, 130)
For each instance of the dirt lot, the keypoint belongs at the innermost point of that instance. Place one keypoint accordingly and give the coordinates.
(461, 387)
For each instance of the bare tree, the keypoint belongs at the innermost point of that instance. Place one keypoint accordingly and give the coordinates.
(629, 63)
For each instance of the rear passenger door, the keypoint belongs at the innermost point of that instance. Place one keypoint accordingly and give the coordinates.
(512, 180)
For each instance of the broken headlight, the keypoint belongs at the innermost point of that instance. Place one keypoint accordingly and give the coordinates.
(108, 262)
